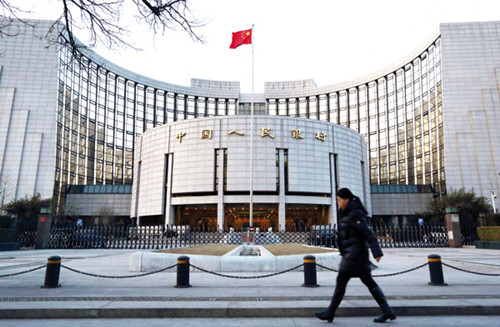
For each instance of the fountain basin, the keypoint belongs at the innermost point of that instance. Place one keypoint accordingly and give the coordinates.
(231, 262)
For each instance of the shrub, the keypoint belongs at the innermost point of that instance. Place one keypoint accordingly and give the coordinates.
(493, 219)
(491, 233)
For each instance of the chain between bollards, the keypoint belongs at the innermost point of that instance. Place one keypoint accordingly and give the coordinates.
(23, 272)
(54, 265)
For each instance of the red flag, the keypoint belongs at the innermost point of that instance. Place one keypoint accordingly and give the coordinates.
(241, 37)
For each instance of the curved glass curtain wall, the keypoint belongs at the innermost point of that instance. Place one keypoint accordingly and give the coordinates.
(101, 113)
(99, 116)
(399, 114)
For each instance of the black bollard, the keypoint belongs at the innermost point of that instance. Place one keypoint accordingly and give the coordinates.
(436, 270)
(52, 272)
(182, 272)
(310, 271)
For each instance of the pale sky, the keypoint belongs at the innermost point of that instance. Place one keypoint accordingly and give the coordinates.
(329, 41)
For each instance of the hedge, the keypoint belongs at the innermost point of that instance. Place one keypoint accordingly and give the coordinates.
(490, 233)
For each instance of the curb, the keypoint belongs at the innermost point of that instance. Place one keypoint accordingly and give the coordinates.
(241, 312)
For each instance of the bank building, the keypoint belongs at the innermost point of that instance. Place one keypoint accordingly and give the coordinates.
(104, 141)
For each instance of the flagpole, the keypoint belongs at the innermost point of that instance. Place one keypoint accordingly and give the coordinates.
(251, 139)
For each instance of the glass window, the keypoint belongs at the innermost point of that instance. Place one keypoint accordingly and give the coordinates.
(191, 101)
(323, 107)
(313, 107)
(283, 107)
(334, 108)
(231, 107)
(273, 107)
(293, 109)
(302, 107)
(343, 109)
(211, 106)
(181, 107)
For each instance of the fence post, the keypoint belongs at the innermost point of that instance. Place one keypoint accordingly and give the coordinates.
(436, 270)
(310, 271)
(52, 272)
(452, 220)
(183, 272)
(44, 224)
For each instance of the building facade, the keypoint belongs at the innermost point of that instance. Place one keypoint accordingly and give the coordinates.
(69, 128)
(197, 172)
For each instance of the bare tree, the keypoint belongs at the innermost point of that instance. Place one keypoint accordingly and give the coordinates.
(8, 12)
(101, 20)
(5, 192)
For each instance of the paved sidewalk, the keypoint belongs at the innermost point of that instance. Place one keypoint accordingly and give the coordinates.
(154, 296)
(447, 321)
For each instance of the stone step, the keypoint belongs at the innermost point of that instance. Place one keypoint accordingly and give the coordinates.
(101, 308)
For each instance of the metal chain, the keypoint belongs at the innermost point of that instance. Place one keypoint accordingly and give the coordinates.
(118, 277)
(324, 267)
(246, 277)
(468, 271)
(402, 272)
(23, 272)
(384, 275)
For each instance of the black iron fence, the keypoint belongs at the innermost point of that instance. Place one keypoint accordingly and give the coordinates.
(26, 237)
(408, 236)
(469, 233)
(173, 236)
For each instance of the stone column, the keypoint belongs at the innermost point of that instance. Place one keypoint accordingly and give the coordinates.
(282, 204)
(332, 210)
(220, 191)
(452, 220)
(169, 209)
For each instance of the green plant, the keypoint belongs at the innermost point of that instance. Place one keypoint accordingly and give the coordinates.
(493, 219)
(27, 209)
(469, 206)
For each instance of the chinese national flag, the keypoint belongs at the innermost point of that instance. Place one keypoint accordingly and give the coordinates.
(241, 37)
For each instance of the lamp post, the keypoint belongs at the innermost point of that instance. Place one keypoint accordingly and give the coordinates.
(493, 197)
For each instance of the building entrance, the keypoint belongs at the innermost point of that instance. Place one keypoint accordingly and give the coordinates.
(200, 217)
(302, 216)
(237, 216)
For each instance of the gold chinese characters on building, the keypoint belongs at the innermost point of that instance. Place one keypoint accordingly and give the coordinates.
(235, 132)
(179, 136)
(321, 136)
(206, 134)
(296, 134)
(266, 132)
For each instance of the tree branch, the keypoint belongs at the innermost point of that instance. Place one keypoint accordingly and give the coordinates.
(169, 15)
(101, 20)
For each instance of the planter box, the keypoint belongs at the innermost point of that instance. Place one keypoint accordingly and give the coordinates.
(488, 245)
